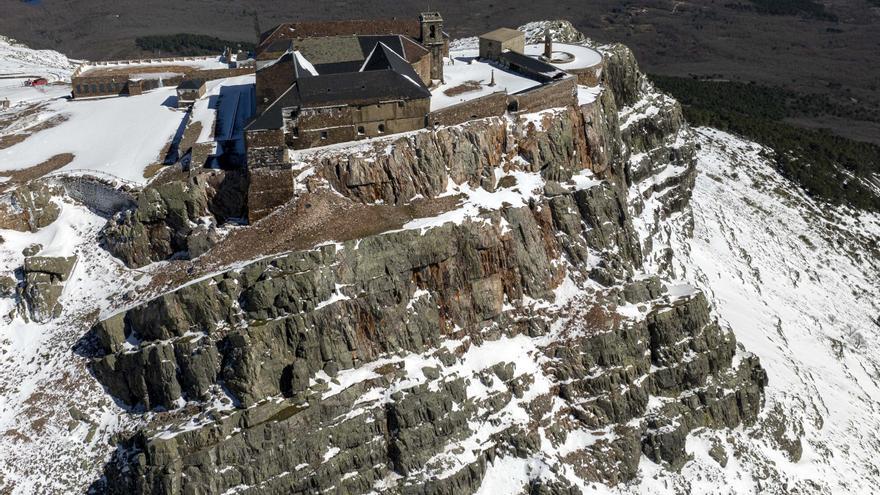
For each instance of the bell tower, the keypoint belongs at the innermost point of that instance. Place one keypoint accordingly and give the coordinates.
(432, 39)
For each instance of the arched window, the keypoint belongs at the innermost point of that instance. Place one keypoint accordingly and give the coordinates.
(433, 30)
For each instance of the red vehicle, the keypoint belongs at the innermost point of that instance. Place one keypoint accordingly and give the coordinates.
(40, 81)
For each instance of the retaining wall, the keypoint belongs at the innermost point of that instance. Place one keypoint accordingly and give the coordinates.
(561, 93)
(98, 195)
(493, 105)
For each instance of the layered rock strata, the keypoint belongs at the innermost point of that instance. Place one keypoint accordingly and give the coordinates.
(419, 360)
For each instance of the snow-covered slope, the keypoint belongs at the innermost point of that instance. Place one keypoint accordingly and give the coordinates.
(111, 137)
(19, 63)
(797, 280)
(17, 59)
(55, 420)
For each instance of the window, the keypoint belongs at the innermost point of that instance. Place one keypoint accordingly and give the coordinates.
(79, 88)
(94, 88)
(323, 134)
(381, 128)
(361, 130)
(101, 87)
(433, 31)
(295, 132)
(399, 104)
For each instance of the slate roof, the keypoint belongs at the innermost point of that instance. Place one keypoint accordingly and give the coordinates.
(191, 84)
(362, 88)
(298, 69)
(531, 64)
(383, 57)
(334, 54)
(299, 30)
(351, 70)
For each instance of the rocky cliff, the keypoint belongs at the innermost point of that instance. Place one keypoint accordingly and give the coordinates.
(518, 334)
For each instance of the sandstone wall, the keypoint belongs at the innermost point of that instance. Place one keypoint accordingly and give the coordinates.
(560, 93)
(494, 105)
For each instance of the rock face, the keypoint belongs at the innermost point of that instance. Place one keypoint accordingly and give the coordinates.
(44, 279)
(28, 207)
(418, 360)
(161, 225)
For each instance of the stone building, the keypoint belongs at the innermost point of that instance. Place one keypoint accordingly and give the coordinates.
(133, 77)
(189, 91)
(329, 82)
(494, 43)
(384, 96)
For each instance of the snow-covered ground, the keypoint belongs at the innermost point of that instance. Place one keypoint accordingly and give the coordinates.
(232, 99)
(19, 63)
(796, 282)
(582, 56)
(462, 67)
(158, 64)
(20, 60)
(55, 420)
(115, 136)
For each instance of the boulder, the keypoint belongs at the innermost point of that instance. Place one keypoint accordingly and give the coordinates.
(44, 278)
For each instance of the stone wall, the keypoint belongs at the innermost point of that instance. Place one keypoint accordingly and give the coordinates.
(423, 69)
(588, 76)
(330, 125)
(87, 86)
(493, 105)
(98, 195)
(212, 74)
(265, 147)
(122, 84)
(560, 93)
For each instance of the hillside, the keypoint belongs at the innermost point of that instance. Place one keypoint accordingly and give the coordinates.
(591, 299)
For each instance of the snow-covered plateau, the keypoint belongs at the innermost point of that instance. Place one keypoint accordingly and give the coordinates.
(597, 299)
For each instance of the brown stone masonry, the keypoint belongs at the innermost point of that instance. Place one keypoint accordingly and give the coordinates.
(561, 93)
(492, 105)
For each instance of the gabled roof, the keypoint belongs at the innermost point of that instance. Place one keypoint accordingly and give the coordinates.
(302, 67)
(299, 30)
(333, 54)
(532, 64)
(360, 88)
(383, 57)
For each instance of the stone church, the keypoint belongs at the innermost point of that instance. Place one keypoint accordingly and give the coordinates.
(320, 83)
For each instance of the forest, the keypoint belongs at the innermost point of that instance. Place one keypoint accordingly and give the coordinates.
(186, 44)
(826, 166)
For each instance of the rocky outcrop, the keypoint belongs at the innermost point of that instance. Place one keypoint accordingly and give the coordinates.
(423, 164)
(28, 207)
(280, 308)
(417, 360)
(400, 422)
(44, 279)
(165, 223)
